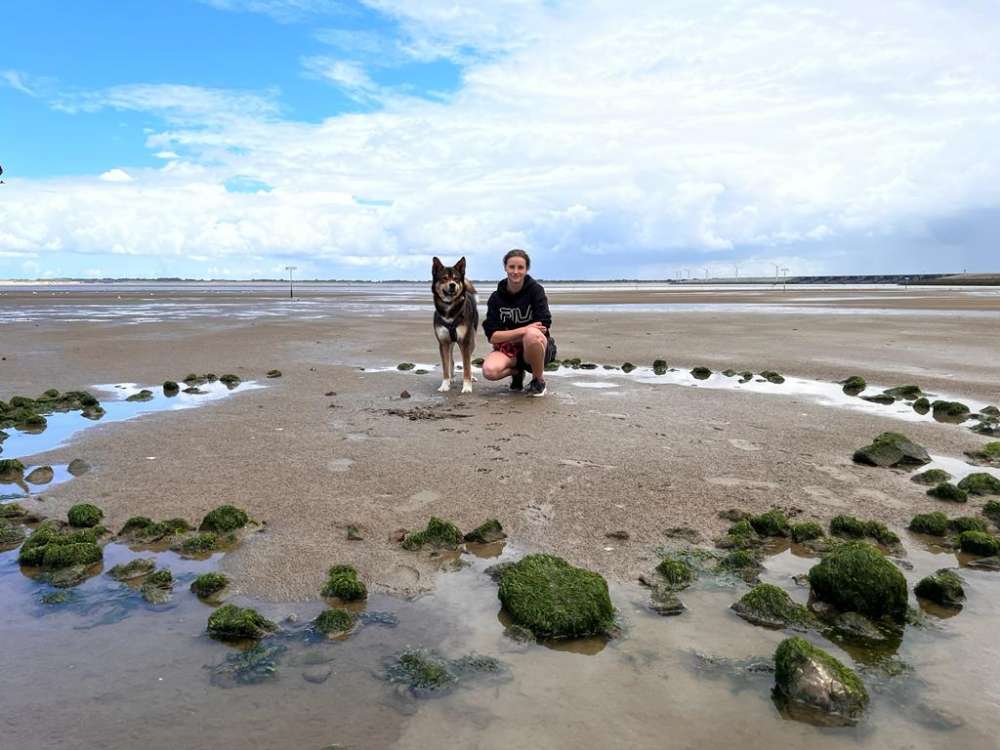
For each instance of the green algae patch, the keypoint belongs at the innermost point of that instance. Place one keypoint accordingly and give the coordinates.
(209, 584)
(742, 562)
(404, 366)
(772, 377)
(11, 535)
(255, 665)
(808, 675)
(342, 582)
(949, 411)
(679, 574)
(67, 555)
(988, 455)
(921, 405)
(11, 468)
(980, 483)
(490, 531)
(892, 449)
(992, 511)
(904, 392)
(143, 395)
(52, 546)
(806, 531)
(230, 380)
(230, 621)
(659, 367)
(439, 534)
(740, 535)
(145, 529)
(943, 588)
(931, 477)
(157, 587)
(224, 518)
(199, 543)
(772, 607)
(979, 543)
(949, 493)
(334, 621)
(84, 515)
(771, 523)
(967, 523)
(170, 387)
(421, 670)
(855, 577)
(132, 569)
(854, 385)
(701, 373)
(934, 524)
(552, 598)
(849, 527)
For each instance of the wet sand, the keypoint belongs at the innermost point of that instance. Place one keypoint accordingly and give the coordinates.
(558, 472)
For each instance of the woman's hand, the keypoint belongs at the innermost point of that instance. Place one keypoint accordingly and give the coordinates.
(540, 326)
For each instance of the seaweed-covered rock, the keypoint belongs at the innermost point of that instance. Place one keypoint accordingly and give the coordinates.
(949, 493)
(11, 534)
(171, 388)
(136, 568)
(849, 527)
(701, 373)
(988, 455)
(10, 469)
(772, 607)
(157, 587)
(439, 533)
(967, 523)
(209, 584)
(808, 676)
(275, 373)
(992, 511)
(230, 621)
(771, 523)
(224, 518)
(144, 529)
(664, 601)
(405, 366)
(552, 598)
(490, 531)
(944, 588)
(904, 392)
(678, 573)
(230, 380)
(922, 405)
(421, 670)
(806, 531)
(855, 577)
(854, 385)
(78, 467)
(201, 542)
(892, 449)
(342, 582)
(627, 367)
(931, 477)
(879, 398)
(659, 367)
(54, 546)
(67, 555)
(979, 543)
(934, 524)
(949, 411)
(742, 562)
(257, 664)
(143, 395)
(334, 621)
(772, 377)
(84, 515)
(980, 483)
(740, 535)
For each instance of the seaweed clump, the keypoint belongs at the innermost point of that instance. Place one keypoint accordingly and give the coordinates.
(854, 385)
(806, 531)
(855, 577)
(439, 533)
(772, 377)
(809, 676)
(949, 493)
(334, 621)
(979, 543)
(949, 411)
(771, 607)
(552, 598)
(224, 518)
(84, 515)
(849, 527)
(659, 367)
(944, 588)
(931, 477)
(771, 523)
(132, 569)
(209, 584)
(342, 582)
(230, 621)
(980, 483)
(678, 573)
(934, 524)
(53, 547)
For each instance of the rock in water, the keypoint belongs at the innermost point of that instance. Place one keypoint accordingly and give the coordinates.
(78, 467)
(892, 449)
(944, 588)
(810, 677)
(855, 577)
(41, 475)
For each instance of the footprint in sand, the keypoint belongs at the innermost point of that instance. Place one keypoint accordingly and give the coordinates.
(823, 496)
(835, 472)
(539, 514)
(876, 496)
(419, 500)
(743, 445)
(339, 464)
(743, 483)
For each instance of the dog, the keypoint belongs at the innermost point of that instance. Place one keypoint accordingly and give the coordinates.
(456, 319)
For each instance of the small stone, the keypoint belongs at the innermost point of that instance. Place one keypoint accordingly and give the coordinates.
(41, 475)
(404, 394)
(317, 675)
(665, 602)
(619, 535)
(78, 467)
(353, 534)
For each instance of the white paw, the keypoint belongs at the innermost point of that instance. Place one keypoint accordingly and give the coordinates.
(466, 387)
(445, 387)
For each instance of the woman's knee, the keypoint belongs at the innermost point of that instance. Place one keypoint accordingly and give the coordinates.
(534, 337)
(493, 370)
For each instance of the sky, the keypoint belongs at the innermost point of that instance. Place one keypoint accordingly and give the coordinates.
(358, 139)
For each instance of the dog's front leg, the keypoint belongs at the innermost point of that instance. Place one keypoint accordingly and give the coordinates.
(467, 369)
(446, 366)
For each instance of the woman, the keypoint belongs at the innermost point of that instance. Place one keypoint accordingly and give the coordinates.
(517, 324)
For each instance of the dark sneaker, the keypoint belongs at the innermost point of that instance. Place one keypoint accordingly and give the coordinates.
(517, 380)
(536, 388)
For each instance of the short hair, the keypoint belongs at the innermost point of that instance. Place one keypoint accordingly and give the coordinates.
(517, 253)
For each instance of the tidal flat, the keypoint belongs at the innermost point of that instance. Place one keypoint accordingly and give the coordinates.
(332, 463)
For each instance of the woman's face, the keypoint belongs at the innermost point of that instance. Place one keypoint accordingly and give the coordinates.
(516, 268)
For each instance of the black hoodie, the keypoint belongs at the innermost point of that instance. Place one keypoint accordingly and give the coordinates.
(506, 311)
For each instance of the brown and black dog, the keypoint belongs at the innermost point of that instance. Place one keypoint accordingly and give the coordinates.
(456, 319)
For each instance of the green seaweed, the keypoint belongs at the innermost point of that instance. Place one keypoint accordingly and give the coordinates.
(931, 477)
(439, 534)
(771, 523)
(806, 531)
(209, 584)
(980, 483)
(224, 518)
(771, 606)
(979, 543)
(949, 493)
(84, 515)
(678, 573)
(794, 654)
(230, 621)
(334, 621)
(944, 588)
(342, 582)
(934, 524)
(855, 577)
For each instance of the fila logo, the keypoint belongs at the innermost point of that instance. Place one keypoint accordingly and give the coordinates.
(515, 315)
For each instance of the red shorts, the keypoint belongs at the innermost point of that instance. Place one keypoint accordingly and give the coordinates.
(509, 349)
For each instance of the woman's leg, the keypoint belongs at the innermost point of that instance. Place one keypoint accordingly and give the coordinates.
(498, 366)
(534, 352)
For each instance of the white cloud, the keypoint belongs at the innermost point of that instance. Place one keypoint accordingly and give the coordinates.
(116, 175)
(654, 136)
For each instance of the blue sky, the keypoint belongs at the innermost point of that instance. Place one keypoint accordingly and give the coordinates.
(229, 138)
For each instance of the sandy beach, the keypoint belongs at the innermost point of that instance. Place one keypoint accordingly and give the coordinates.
(559, 472)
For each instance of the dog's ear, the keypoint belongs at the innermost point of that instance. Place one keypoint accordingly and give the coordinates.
(460, 266)
(437, 266)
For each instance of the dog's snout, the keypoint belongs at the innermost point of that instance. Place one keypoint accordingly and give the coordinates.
(452, 287)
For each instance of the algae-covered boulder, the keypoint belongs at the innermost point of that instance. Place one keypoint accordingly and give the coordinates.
(980, 483)
(334, 621)
(849, 527)
(678, 573)
(921, 405)
(855, 577)
(740, 535)
(70, 554)
(988, 455)
(944, 588)
(810, 677)
(277, 373)
(439, 533)
(84, 515)
(806, 531)
(490, 531)
(742, 562)
(772, 377)
(342, 582)
(145, 529)
(627, 367)
(992, 511)
(55, 546)
(949, 493)
(904, 392)
(659, 366)
(934, 524)
(879, 398)
(230, 621)
(701, 373)
(967, 523)
(133, 569)
(157, 587)
(11, 534)
(772, 607)
(170, 388)
(931, 477)
(979, 543)
(552, 598)
(949, 411)
(230, 380)
(854, 385)
(10, 469)
(892, 449)
(224, 518)
(209, 584)
(405, 366)
(771, 523)
(143, 395)
(199, 543)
